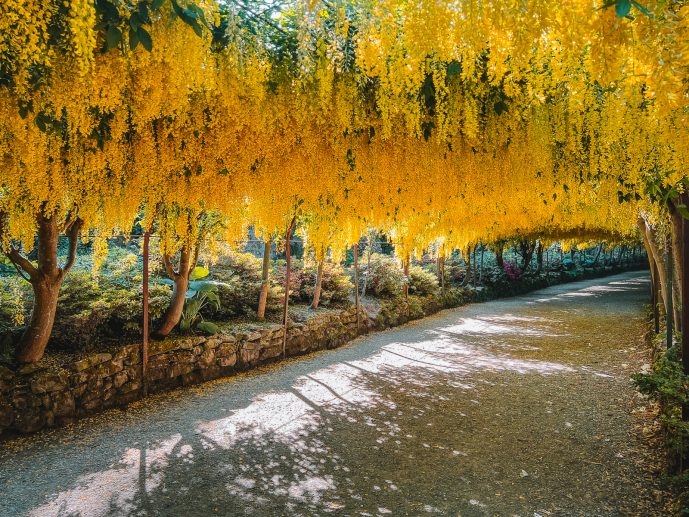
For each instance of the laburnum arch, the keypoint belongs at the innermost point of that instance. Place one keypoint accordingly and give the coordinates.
(453, 122)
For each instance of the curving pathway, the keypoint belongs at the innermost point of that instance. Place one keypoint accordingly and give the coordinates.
(514, 407)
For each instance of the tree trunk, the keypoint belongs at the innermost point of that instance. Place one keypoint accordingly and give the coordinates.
(499, 260)
(676, 229)
(368, 264)
(526, 250)
(467, 275)
(684, 288)
(539, 258)
(45, 279)
(35, 338)
(179, 292)
(480, 274)
(319, 283)
(265, 281)
(600, 247)
(652, 246)
(406, 283)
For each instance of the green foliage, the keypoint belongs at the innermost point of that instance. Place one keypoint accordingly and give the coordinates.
(136, 21)
(667, 384)
(422, 282)
(90, 311)
(336, 287)
(204, 294)
(384, 277)
(456, 296)
(239, 279)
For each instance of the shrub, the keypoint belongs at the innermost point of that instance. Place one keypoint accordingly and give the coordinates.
(239, 278)
(512, 271)
(384, 277)
(422, 282)
(336, 287)
(456, 296)
(89, 311)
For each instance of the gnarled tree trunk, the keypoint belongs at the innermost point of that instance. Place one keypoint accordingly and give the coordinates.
(265, 281)
(45, 279)
(173, 315)
(499, 260)
(657, 256)
(539, 257)
(467, 275)
(319, 283)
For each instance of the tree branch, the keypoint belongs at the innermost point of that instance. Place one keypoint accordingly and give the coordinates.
(20, 261)
(73, 229)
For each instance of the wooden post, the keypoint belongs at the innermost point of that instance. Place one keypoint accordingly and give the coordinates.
(144, 348)
(670, 310)
(356, 285)
(288, 254)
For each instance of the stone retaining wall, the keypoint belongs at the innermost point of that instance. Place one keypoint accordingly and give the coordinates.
(38, 396)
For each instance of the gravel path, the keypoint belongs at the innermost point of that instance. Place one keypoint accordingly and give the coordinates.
(514, 407)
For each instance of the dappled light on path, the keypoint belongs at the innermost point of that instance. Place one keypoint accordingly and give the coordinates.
(442, 416)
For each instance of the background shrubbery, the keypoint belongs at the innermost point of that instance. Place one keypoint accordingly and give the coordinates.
(104, 306)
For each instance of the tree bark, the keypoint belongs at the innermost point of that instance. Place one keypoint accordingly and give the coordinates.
(499, 260)
(539, 257)
(676, 231)
(684, 288)
(651, 245)
(526, 249)
(265, 281)
(319, 284)
(406, 277)
(600, 247)
(467, 275)
(45, 279)
(179, 292)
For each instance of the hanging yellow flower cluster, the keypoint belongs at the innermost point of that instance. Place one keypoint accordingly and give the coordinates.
(456, 121)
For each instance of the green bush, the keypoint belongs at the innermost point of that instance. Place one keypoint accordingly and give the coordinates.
(422, 282)
(384, 277)
(456, 296)
(336, 287)
(239, 277)
(89, 311)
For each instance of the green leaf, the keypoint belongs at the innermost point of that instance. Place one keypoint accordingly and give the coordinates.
(208, 327)
(622, 8)
(454, 68)
(166, 281)
(133, 39)
(190, 294)
(156, 4)
(198, 272)
(145, 39)
(113, 37)
(642, 9)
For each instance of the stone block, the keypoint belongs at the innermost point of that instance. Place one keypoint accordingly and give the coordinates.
(46, 382)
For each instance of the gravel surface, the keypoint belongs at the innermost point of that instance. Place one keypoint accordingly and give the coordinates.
(514, 407)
